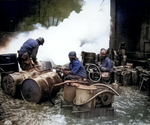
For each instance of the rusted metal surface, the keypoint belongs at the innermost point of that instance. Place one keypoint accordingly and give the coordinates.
(39, 87)
(88, 57)
(42, 83)
(82, 95)
(135, 77)
(126, 78)
(69, 93)
(9, 82)
(117, 75)
(88, 100)
(93, 73)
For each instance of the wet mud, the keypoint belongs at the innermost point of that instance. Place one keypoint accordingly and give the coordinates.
(131, 107)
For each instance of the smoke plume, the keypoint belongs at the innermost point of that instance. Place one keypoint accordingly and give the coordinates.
(85, 31)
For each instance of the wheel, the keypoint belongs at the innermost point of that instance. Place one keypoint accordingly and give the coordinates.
(94, 73)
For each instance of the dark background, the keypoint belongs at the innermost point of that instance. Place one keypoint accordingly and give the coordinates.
(13, 11)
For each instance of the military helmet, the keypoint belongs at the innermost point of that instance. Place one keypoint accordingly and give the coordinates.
(41, 40)
(72, 54)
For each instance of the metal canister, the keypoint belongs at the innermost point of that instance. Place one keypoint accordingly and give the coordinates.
(117, 75)
(126, 78)
(10, 82)
(88, 57)
(135, 77)
(40, 87)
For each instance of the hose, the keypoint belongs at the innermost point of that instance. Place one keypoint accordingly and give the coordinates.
(70, 81)
(107, 87)
(97, 84)
(92, 97)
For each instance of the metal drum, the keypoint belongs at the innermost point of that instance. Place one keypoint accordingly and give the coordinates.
(40, 87)
(9, 82)
(135, 77)
(126, 78)
(8, 62)
(117, 75)
(88, 57)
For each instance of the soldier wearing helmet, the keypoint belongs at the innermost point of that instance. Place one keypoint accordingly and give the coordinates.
(77, 70)
(29, 51)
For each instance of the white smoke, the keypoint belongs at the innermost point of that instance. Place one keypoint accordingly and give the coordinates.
(85, 31)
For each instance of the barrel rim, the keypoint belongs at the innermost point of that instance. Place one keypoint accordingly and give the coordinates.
(22, 86)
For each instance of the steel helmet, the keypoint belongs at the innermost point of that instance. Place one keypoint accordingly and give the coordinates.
(72, 54)
(41, 40)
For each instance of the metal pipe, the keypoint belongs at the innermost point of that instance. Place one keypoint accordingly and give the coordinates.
(107, 87)
(93, 97)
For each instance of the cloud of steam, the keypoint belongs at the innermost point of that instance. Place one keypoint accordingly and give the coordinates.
(85, 31)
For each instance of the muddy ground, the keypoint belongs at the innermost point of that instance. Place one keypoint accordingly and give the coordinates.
(131, 107)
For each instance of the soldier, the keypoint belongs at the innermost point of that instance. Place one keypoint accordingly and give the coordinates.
(29, 51)
(106, 67)
(107, 64)
(77, 70)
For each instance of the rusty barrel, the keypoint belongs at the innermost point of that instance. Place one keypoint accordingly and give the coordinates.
(88, 57)
(10, 83)
(135, 77)
(40, 87)
(126, 78)
(117, 75)
(8, 62)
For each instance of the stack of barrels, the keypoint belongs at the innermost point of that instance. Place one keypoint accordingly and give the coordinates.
(88, 57)
(33, 85)
(126, 75)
